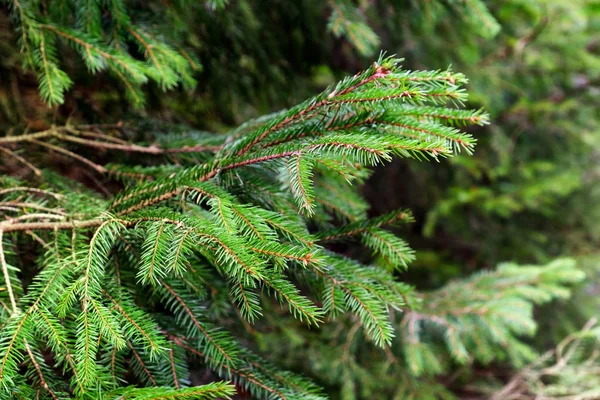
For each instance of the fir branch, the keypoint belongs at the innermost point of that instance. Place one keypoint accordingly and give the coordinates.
(222, 355)
(125, 63)
(301, 307)
(143, 327)
(235, 372)
(355, 228)
(194, 237)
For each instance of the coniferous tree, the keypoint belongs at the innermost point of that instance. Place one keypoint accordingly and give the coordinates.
(230, 254)
(153, 275)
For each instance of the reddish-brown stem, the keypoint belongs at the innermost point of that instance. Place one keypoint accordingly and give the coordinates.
(280, 125)
(164, 196)
(379, 73)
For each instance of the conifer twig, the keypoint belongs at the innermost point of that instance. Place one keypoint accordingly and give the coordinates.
(29, 165)
(32, 190)
(5, 272)
(98, 168)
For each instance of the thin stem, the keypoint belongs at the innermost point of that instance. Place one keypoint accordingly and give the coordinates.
(4, 267)
(39, 371)
(129, 147)
(96, 135)
(32, 190)
(148, 48)
(36, 215)
(32, 206)
(21, 159)
(89, 46)
(112, 146)
(37, 135)
(99, 168)
(37, 238)
(10, 227)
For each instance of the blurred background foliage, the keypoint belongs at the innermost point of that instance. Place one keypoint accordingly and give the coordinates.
(529, 194)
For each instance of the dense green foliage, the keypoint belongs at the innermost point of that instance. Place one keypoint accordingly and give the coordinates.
(147, 259)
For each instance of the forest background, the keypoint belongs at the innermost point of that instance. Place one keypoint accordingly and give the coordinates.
(529, 194)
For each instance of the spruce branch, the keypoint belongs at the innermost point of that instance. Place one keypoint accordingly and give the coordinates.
(484, 316)
(212, 233)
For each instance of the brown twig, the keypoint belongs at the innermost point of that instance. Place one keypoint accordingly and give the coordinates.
(98, 168)
(32, 190)
(22, 160)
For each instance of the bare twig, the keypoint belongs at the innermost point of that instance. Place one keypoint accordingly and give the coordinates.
(22, 226)
(99, 168)
(4, 267)
(34, 206)
(27, 136)
(35, 216)
(32, 190)
(21, 160)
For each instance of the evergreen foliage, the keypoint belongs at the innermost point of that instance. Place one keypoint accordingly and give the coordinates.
(173, 234)
(81, 24)
(137, 257)
(130, 44)
(481, 320)
(538, 79)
